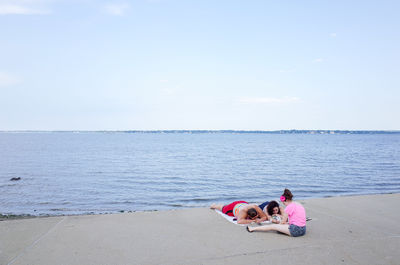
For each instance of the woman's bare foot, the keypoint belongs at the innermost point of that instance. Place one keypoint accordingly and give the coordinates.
(249, 229)
(216, 206)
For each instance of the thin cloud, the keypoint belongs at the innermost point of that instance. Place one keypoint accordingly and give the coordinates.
(333, 35)
(21, 7)
(318, 60)
(8, 79)
(269, 100)
(116, 9)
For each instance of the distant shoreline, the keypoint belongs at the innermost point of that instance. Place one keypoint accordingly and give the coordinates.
(217, 131)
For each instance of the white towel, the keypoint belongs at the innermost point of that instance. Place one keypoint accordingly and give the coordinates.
(233, 219)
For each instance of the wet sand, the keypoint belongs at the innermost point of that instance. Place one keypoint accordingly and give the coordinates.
(343, 230)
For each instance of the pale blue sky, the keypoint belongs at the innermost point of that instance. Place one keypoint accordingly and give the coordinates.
(206, 64)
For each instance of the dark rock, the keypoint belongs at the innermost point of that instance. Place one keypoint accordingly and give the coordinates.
(15, 179)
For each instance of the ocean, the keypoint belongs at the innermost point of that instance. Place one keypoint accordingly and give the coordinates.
(105, 172)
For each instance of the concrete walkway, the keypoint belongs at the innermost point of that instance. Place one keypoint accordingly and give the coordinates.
(343, 230)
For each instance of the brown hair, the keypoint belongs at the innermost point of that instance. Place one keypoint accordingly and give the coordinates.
(252, 212)
(287, 194)
(271, 206)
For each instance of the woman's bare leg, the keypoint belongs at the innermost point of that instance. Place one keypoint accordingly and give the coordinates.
(273, 227)
(217, 206)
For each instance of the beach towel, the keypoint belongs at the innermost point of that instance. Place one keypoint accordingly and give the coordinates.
(233, 219)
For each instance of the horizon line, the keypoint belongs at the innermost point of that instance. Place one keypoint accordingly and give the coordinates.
(220, 131)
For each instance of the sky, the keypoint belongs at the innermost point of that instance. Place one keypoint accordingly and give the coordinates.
(199, 65)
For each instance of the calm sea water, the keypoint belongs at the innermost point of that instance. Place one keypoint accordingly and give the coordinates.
(77, 173)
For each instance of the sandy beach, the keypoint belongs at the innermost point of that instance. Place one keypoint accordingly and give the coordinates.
(343, 230)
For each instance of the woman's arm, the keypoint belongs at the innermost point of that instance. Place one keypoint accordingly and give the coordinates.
(242, 218)
(277, 220)
(261, 215)
(284, 218)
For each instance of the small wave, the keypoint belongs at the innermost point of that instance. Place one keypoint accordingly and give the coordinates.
(198, 200)
(96, 172)
(119, 202)
(173, 178)
(178, 205)
(8, 185)
(59, 209)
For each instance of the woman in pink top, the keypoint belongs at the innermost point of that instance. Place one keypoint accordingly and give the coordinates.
(296, 214)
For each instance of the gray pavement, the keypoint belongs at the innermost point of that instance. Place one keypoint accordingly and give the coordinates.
(343, 230)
